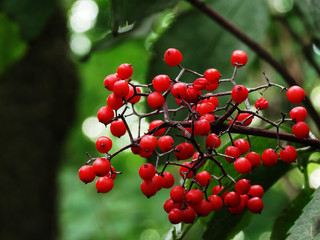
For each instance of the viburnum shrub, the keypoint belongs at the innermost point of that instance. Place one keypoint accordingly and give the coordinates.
(193, 141)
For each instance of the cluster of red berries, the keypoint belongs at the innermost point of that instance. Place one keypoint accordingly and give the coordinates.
(204, 118)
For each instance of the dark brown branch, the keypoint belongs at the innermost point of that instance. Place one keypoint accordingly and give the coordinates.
(256, 47)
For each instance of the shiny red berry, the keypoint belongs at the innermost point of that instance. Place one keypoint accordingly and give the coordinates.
(212, 75)
(202, 127)
(161, 83)
(125, 71)
(101, 166)
(87, 174)
(255, 205)
(155, 100)
(239, 93)
(300, 130)
(296, 94)
(298, 114)
(233, 153)
(269, 157)
(110, 80)
(242, 165)
(104, 184)
(155, 124)
(288, 154)
(118, 128)
(194, 196)
(261, 103)
(213, 141)
(254, 159)
(172, 57)
(165, 143)
(243, 145)
(114, 102)
(232, 199)
(184, 151)
(256, 191)
(203, 178)
(149, 188)
(121, 89)
(105, 115)
(103, 144)
(147, 171)
(242, 186)
(239, 58)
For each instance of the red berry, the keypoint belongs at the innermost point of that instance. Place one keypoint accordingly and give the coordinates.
(161, 83)
(110, 80)
(125, 71)
(233, 153)
(205, 108)
(296, 94)
(213, 100)
(133, 99)
(269, 157)
(216, 202)
(184, 151)
(212, 75)
(203, 178)
(101, 167)
(208, 117)
(148, 188)
(175, 216)
(256, 191)
(300, 130)
(203, 208)
(200, 84)
(155, 100)
(105, 115)
(212, 141)
(191, 95)
(242, 165)
(155, 124)
(298, 114)
(145, 154)
(172, 57)
(212, 86)
(179, 90)
(121, 89)
(165, 143)
(184, 170)
(148, 143)
(167, 180)
(188, 215)
(238, 209)
(239, 93)
(239, 58)
(118, 128)
(104, 184)
(169, 205)
(177, 194)
(87, 174)
(288, 154)
(114, 102)
(261, 103)
(232, 199)
(147, 171)
(217, 189)
(246, 117)
(243, 145)
(255, 205)
(194, 196)
(202, 127)
(103, 144)
(254, 159)
(242, 186)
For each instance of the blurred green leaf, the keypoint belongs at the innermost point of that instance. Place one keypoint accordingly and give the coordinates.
(290, 214)
(31, 15)
(13, 48)
(308, 224)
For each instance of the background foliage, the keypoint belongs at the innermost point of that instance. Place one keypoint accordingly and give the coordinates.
(104, 34)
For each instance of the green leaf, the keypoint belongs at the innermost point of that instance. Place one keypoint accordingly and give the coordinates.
(13, 46)
(308, 224)
(31, 16)
(290, 214)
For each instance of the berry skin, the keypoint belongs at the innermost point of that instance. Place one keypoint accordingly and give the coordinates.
(256, 191)
(243, 145)
(216, 202)
(203, 178)
(167, 180)
(125, 71)
(269, 157)
(299, 114)
(217, 189)
(169, 205)
(300, 130)
(255, 205)
(110, 80)
(203, 208)
(104, 184)
(172, 57)
(155, 100)
(238, 209)
(239, 93)
(242, 165)
(114, 102)
(177, 194)
(148, 143)
(213, 100)
(154, 124)
(194, 196)
(232, 151)
(205, 108)
(118, 128)
(243, 116)
(184, 170)
(179, 90)
(200, 84)
(184, 151)
(147, 171)
(212, 86)
(103, 144)
(101, 167)
(165, 143)
(191, 95)
(121, 89)
(261, 103)
(188, 215)
(254, 159)
(232, 199)
(130, 97)
(296, 94)
(212, 75)
(149, 188)
(288, 154)
(242, 186)
(202, 127)
(161, 83)
(87, 174)
(175, 216)
(239, 58)
(105, 115)
(212, 141)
